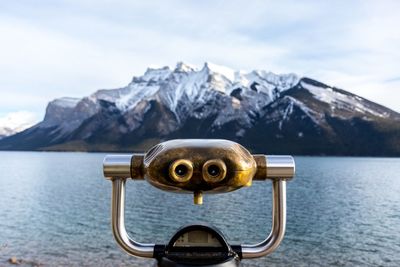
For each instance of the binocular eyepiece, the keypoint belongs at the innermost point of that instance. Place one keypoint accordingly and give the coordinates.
(181, 170)
(213, 170)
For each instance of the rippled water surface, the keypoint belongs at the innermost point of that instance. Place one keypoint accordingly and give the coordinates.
(55, 211)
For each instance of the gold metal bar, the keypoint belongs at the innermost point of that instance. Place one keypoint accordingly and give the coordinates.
(198, 198)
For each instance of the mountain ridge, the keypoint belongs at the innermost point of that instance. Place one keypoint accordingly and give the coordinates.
(266, 112)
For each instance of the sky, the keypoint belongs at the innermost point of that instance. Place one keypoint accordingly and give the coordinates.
(51, 49)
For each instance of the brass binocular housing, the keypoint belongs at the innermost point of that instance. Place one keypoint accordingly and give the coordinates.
(200, 166)
(209, 166)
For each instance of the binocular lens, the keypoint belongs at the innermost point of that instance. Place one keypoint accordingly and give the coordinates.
(181, 170)
(213, 170)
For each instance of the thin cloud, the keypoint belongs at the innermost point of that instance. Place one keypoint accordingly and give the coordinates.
(18, 121)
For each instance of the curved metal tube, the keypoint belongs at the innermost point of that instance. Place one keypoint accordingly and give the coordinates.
(118, 223)
(278, 224)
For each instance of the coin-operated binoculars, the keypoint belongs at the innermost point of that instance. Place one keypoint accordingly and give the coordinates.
(199, 167)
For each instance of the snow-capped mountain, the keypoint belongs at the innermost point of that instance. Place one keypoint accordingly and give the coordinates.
(264, 111)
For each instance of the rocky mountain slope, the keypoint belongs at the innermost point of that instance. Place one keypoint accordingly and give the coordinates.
(266, 112)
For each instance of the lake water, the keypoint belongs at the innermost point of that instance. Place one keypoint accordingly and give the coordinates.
(55, 211)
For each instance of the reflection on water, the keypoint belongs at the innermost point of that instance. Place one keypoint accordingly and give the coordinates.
(54, 210)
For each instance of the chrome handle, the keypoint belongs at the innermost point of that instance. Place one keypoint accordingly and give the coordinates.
(278, 224)
(117, 168)
(118, 223)
(278, 169)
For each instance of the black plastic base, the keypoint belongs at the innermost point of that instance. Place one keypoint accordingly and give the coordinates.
(220, 254)
(232, 262)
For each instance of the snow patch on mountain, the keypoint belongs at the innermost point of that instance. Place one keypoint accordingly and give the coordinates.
(286, 114)
(137, 92)
(271, 80)
(316, 117)
(156, 74)
(184, 67)
(340, 100)
(228, 73)
(66, 102)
